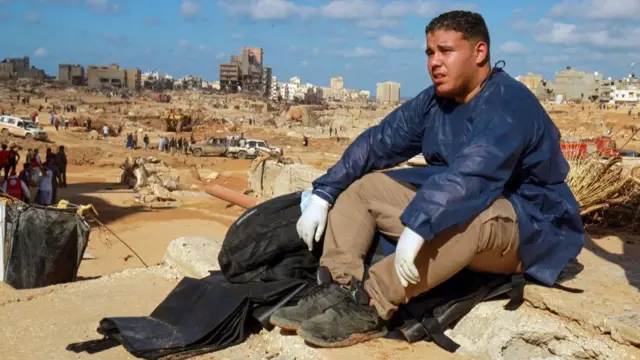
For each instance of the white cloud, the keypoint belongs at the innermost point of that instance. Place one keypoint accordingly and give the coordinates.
(237, 36)
(392, 42)
(367, 13)
(350, 9)
(221, 55)
(598, 9)
(189, 9)
(32, 17)
(183, 43)
(40, 52)
(513, 47)
(278, 10)
(304, 63)
(266, 9)
(103, 6)
(398, 8)
(315, 51)
(354, 53)
(559, 33)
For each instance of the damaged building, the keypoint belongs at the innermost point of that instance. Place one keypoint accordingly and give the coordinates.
(114, 76)
(19, 68)
(245, 72)
(71, 74)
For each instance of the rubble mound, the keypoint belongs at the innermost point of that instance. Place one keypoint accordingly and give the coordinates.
(151, 179)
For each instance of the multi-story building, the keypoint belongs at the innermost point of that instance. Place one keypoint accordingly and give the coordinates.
(71, 74)
(266, 80)
(388, 92)
(245, 72)
(577, 85)
(19, 68)
(113, 75)
(274, 93)
(531, 81)
(626, 96)
(230, 76)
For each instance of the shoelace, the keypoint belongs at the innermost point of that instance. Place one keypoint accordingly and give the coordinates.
(348, 306)
(316, 291)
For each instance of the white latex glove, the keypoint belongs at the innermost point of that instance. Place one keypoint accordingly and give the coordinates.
(313, 220)
(409, 244)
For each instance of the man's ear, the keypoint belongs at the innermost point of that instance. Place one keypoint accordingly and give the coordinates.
(482, 53)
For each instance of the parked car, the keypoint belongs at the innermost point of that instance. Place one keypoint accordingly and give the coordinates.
(21, 127)
(210, 146)
(252, 148)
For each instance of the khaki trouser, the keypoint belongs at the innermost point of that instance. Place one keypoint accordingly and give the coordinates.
(487, 243)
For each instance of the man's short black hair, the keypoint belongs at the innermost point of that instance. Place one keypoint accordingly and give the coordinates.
(470, 24)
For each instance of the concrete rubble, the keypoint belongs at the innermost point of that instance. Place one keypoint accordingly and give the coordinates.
(150, 179)
(270, 178)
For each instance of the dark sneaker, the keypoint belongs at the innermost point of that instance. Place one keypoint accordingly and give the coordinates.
(347, 323)
(324, 296)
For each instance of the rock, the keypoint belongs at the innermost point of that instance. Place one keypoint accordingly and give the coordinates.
(149, 198)
(490, 332)
(212, 176)
(93, 135)
(193, 256)
(153, 160)
(161, 193)
(141, 178)
(170, 185)
(278, 179)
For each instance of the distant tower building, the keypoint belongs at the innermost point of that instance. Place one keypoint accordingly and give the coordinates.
(388, 92)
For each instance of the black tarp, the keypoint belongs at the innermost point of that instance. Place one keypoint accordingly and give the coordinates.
(44, 245)
(198, 316)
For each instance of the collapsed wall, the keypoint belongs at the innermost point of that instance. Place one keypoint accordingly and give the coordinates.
(270, 178)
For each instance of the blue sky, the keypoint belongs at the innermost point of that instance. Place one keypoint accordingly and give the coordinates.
(365, 41)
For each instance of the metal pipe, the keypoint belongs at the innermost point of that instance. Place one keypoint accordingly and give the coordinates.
(231, 196)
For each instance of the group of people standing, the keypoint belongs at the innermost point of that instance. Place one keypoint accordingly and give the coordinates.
(46, 176)
(173, 145)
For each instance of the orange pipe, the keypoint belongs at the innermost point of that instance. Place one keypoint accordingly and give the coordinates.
(231, 196)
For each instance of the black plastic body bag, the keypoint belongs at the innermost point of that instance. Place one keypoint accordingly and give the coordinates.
(197, 317)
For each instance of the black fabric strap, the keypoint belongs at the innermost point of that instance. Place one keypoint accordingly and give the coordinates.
(516, 294)
(438, 336)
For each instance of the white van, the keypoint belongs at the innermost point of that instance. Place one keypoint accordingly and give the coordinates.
(21, 127)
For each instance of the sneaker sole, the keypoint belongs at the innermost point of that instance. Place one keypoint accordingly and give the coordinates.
(351, 340)
(284, 324)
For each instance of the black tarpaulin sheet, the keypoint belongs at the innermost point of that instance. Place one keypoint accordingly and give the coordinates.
(45, 245)
(198, 316)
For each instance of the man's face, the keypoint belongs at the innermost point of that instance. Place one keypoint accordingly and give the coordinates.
(452, 61)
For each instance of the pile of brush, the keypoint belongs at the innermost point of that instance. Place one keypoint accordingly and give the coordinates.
(607, 192)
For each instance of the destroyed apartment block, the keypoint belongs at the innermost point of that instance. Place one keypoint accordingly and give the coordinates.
(19, 68)
(71, 74)
(245, 72)
(113, 76)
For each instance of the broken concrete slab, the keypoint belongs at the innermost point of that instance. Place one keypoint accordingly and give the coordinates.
(193, 256)
(610, 304)
(271, 179)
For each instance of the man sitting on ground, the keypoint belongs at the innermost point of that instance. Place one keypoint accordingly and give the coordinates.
(493, 198)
